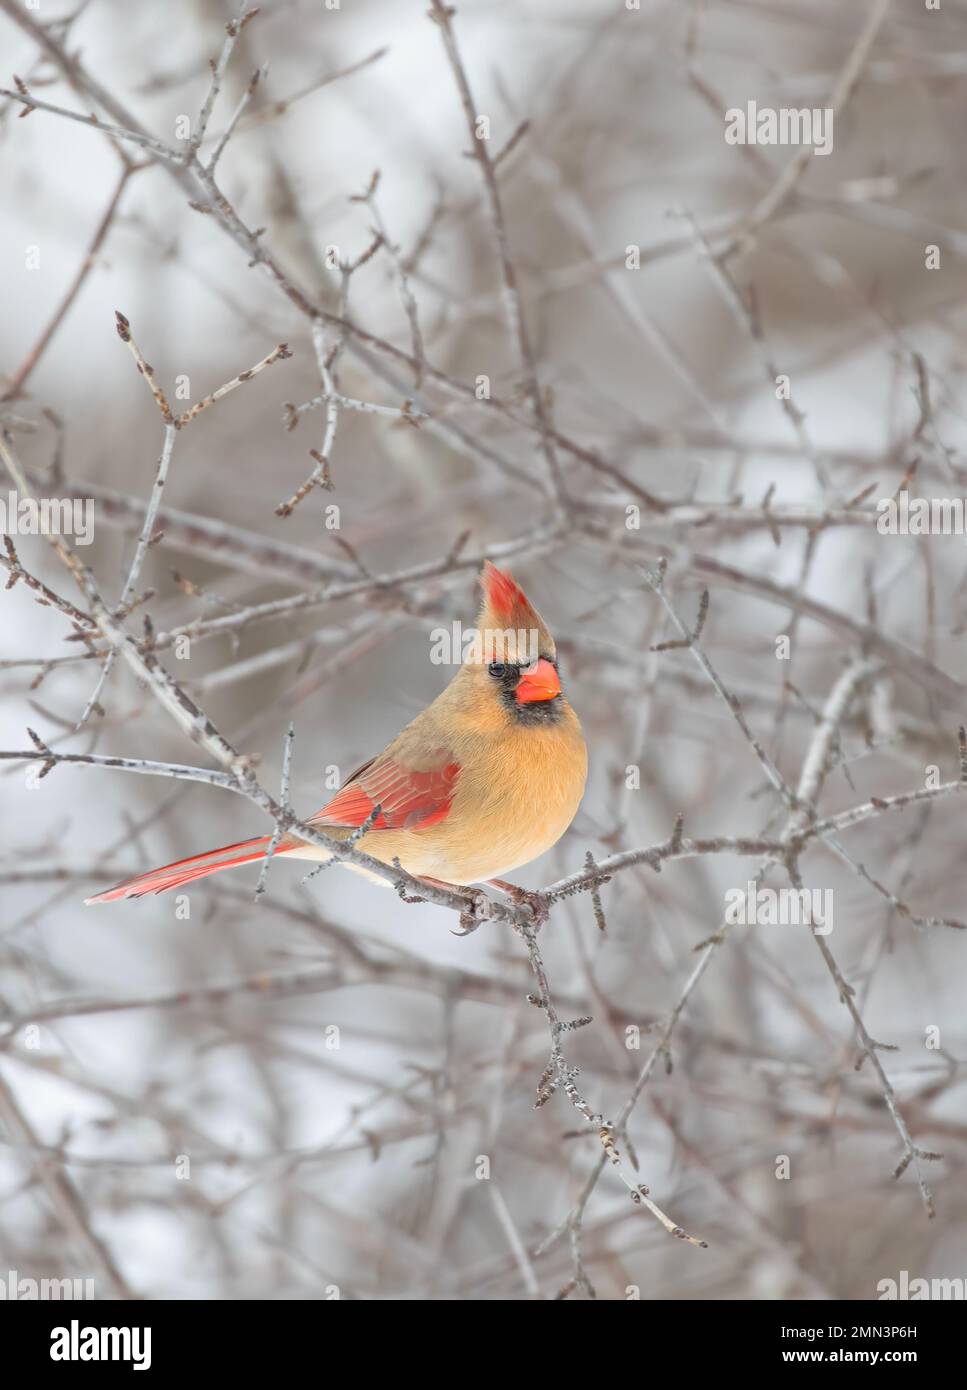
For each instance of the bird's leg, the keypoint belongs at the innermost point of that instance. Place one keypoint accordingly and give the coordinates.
(477, 912)
(535, 901)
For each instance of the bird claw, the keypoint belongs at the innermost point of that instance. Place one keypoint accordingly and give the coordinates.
(477, 912)
(527, 897)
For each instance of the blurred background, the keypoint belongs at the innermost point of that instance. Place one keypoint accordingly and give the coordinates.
(328, 1093)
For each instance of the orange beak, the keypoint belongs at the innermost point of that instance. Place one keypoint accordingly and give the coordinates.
(538, 682)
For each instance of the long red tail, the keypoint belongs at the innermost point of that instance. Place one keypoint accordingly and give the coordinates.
(186, 870)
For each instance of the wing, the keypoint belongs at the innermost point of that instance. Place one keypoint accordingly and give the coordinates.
(408, 800)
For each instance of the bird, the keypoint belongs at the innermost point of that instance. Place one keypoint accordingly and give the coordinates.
(484, 780)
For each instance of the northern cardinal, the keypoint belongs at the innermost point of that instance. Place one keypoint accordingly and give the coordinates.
(487, 778)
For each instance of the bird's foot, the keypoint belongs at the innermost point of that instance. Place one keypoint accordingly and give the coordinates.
(477, 912)
(525, 897)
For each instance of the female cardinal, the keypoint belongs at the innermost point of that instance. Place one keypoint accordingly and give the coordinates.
(488, 777)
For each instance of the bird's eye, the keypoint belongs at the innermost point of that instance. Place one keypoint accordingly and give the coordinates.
(496, 669)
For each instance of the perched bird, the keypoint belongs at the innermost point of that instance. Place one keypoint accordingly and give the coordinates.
(487, 778)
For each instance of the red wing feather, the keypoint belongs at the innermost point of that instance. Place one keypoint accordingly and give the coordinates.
(408, 800)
